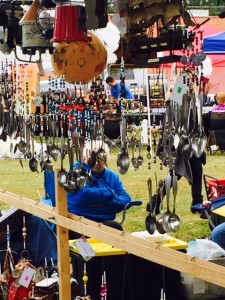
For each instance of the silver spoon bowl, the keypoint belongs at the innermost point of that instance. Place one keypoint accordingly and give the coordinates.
(123, 161)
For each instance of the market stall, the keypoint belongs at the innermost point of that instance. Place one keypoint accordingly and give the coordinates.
(74, 111)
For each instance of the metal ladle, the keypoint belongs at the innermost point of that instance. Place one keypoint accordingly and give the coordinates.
(174, 220)
(150, 221)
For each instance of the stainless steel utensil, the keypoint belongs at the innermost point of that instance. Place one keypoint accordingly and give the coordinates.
(159, 225)
(123, 160)
(62, 172)
(150, 221)
(174, 220)
(168, 212)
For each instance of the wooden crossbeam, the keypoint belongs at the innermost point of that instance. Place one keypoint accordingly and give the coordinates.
(146, 249)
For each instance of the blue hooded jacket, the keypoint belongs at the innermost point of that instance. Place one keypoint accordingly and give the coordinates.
(98, 202)
(115, 91)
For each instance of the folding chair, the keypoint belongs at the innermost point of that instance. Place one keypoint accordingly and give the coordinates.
(207, 209)
(215, 192)
(215, 188)
(216, 141)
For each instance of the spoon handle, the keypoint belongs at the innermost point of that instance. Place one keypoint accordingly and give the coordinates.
(168, 185)
(149, 182)
(174, 192)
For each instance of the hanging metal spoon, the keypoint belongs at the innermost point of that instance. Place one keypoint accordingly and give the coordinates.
(168, 212)
(159, 225)
(33, 163)
(123, 161)
(54, 150)
(140, 157)
(150, 221)
(71, 183)
(199, 141)
(62, 172)
(173, 220)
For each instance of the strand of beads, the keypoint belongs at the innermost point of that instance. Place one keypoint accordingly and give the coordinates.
(85, 279)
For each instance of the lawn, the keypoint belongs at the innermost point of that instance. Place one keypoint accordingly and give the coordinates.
(22, 181)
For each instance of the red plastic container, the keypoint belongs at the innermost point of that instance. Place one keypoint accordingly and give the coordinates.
(66, 25)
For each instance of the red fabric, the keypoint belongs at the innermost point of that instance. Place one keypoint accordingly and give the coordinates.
(19, 293)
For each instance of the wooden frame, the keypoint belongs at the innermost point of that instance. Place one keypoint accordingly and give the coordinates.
(148, 250)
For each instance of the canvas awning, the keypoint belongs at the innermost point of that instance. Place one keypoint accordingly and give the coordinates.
(214, 44)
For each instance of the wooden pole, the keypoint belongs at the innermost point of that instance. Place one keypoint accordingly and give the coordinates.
(62, 244)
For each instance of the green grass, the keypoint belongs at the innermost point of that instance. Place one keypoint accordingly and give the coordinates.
(24, 182)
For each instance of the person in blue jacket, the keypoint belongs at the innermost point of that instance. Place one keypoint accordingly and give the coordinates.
(100, 200)
(118, 89)
(218, 235)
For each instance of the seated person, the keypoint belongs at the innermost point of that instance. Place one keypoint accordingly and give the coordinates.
(100, 201)
(214, 119)
(218, 235)
(214, 124)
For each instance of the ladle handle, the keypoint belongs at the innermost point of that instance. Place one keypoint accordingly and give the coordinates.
(62, 151)
(174, 192)
(70, 154)
(200, 101)
(168, 186)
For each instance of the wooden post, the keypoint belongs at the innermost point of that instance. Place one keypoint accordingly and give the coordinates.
(62, 244)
